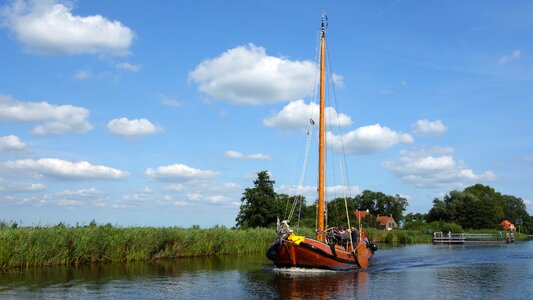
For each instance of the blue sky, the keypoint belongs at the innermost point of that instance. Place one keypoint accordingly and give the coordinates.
(162, 114)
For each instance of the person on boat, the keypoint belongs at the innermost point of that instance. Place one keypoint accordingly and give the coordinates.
(343, 237)
(354, 234)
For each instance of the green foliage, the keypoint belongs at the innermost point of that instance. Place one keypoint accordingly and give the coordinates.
(370, 221)
(477, 207)
(337, 212)
(420, 226)
(380, 204)
(260, 205)
(442, 226)
(415, 217)
(398, 236)
(61, 245)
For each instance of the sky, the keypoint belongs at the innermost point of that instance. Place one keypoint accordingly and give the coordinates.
(161, 114)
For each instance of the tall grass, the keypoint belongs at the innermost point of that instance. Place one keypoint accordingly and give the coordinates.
(59, 245)
(398, 236)
(22, 247)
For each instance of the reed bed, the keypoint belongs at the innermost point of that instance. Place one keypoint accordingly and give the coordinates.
(22, 247)
(398, 236)
(47, 246)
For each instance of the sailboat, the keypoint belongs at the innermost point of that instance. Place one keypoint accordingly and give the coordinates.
(324, 251)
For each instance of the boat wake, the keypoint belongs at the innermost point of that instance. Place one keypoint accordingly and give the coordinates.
(302, 271)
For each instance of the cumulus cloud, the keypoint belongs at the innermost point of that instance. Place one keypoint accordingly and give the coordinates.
(126, 66)
(297, 113)
(60, 169)
(247, 75)
(510, 57)
(132, 128)
(367, 139)
(434, 168)
(50, 27)
(178, 172)
(51, 119)
(429, 128)
(11, 143)
(237, 155)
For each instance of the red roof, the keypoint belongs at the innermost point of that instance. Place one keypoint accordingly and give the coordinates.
(383, 220)
(506, 224)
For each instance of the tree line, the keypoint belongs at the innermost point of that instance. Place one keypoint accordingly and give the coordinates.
(476, 207)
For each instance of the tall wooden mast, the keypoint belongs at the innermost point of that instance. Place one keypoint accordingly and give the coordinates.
(321, 139)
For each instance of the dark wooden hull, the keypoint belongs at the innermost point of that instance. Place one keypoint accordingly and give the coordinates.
(311, 253)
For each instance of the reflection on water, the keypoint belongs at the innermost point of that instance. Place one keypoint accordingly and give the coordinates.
(417, 271)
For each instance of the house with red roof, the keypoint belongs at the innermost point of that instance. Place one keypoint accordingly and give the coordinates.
(387, 222)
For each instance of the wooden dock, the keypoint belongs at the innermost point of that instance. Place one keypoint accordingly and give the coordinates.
(464, 238)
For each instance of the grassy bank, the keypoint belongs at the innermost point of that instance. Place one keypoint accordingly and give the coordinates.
(398, 236)
(46, 246)
(59, 245)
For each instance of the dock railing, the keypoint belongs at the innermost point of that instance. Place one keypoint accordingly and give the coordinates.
(461, 238)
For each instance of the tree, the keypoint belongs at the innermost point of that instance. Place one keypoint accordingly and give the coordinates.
(260, 206)
(514, 210)
(439, 212)
(337, 212)
(415, 217)
(478, 207)
(380, 204)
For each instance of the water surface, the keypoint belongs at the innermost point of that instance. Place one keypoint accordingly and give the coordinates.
(409, 272)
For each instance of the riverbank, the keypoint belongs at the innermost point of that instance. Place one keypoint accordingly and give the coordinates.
(23, 247)
(48, 246)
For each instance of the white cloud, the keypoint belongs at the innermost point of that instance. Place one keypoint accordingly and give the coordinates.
(367, 139)
(247, 75)
(176, 187)
(429, 128)
(83, 74)
(50, 27)
(237, 155)
(171, 102)
(60, 169)
(218, 199)
(75, 198)
(11, 143)
(310, 192)
(90, 192)
(136, 197)
(297, 113)
(125, 66)
(54, 119)
(19, 187)
(132, 128)
(179, 172)
(194, 196)
(433, 168)
(510, 57)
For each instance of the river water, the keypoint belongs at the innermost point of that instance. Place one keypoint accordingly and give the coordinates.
(410, 272)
